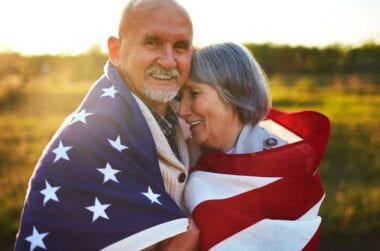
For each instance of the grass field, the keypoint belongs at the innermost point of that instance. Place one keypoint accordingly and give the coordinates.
(30, 114)
(351, 166)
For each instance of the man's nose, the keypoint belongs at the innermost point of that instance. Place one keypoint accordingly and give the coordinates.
(167, 58)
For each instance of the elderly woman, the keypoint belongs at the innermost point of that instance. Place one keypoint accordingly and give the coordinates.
(255, 186)
(225, 98)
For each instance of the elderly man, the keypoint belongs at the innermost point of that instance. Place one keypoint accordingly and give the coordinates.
(112, 177)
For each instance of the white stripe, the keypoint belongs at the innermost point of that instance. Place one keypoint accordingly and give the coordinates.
(312, 211)
(212, 186)
(280, 131)
(150, 236)
(281, 234)
(272, 235)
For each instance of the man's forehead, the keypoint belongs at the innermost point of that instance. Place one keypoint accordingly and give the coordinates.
(160, 24)
(162, 36)
(146, 16)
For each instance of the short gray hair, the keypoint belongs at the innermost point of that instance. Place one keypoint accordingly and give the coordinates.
(233, 71)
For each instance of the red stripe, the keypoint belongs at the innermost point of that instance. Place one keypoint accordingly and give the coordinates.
(313, 243)
(273, 113)
(288, 198)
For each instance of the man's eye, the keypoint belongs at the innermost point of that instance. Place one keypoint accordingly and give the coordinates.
(152, 43)
(183, 46)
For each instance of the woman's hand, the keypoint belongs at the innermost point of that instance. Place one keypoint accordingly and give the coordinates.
(187, 241)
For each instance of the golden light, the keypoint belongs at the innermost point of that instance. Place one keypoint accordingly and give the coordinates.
(71, 26)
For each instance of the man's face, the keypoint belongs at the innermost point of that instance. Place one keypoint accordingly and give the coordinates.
(155, 53)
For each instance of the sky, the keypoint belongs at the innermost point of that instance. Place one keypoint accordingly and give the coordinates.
(73, 26)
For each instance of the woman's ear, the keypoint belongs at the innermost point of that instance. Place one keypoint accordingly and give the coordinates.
(113, 51)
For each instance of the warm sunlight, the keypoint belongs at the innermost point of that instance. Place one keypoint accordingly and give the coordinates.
(114, 173)
(51, 26)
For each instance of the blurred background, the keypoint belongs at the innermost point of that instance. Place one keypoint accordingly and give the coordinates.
(319, 55)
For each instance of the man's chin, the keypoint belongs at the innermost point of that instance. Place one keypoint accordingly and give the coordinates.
(159, 95)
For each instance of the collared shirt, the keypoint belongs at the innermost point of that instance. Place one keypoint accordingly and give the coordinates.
(255, 139)
(168, 126)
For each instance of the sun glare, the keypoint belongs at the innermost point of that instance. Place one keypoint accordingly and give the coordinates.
(71, 26)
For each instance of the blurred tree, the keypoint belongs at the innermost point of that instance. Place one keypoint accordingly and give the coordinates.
(88, 66)
(13, 64)
(332, 59)
(364, 59)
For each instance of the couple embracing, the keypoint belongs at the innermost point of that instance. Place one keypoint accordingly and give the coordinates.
(176, 148)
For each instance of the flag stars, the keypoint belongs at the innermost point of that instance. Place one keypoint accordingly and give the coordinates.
(98, 210)
(109, 173)
(109, 92)
(49, 192)
(153, 197)
(61, 152)
(36, 239)
(81, 117)
(117, 144)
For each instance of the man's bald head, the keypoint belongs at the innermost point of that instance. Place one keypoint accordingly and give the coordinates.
(141, 8)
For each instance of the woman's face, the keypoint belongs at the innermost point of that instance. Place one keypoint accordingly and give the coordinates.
(213, 123)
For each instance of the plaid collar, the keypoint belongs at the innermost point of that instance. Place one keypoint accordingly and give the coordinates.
(168, 126)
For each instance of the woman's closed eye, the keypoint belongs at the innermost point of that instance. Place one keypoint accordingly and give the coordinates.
(194, 94)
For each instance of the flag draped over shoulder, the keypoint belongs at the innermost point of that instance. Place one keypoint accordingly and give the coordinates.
(98, 184)
(267, 200)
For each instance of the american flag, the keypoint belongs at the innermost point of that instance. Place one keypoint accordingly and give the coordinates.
(267, 200)
(97, 184)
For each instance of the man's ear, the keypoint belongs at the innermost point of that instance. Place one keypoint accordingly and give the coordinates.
(113, 51)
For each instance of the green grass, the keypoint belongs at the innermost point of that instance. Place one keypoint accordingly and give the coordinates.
(350, 169)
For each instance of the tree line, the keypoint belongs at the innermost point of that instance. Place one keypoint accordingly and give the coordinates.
(283, 59)
(333, 59)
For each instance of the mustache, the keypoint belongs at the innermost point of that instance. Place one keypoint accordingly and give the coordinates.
(155, 70)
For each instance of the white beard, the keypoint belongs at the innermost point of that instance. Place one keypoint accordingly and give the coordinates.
(160, 95)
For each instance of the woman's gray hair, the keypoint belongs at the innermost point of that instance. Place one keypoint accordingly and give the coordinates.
(235, 74)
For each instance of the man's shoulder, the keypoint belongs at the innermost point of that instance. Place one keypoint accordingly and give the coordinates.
(107, 98)
(103, 117)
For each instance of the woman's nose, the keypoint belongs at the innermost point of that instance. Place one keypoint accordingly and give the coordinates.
(184, 108)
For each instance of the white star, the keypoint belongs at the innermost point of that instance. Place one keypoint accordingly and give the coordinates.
(61, 152)
(109, 173)
(117, 144)
(98, 209)
(49, 193)
(110, 92)
(81, 116)
(152, 196)
(36, 239)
